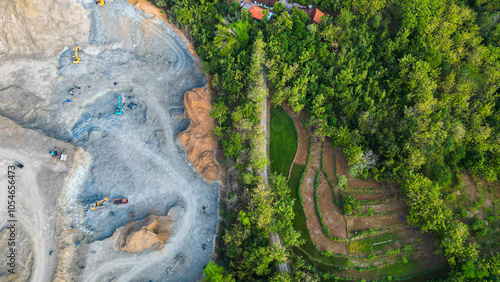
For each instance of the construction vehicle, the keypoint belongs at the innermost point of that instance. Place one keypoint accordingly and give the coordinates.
(119, 109)
(61, 155)
(100, 2)
(99, 204)
(120, 201)
(76, 59)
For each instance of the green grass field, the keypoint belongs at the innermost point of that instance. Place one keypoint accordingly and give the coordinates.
(283, 144)
(361, 246)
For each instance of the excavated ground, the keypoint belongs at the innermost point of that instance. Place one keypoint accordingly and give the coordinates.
(126, 53)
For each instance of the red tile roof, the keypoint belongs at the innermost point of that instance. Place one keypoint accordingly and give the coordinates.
(317, 16)
(256, 12)
(314, 14)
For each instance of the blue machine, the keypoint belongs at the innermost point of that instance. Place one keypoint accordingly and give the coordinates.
(119, 109)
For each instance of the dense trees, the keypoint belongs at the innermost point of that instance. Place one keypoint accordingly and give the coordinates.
(215, 273)
(409, 88)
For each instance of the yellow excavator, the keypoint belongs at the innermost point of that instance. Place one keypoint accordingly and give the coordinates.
(76, 59)
(100, 2)
(98, 204)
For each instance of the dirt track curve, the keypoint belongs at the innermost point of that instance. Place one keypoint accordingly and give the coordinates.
(136, 155)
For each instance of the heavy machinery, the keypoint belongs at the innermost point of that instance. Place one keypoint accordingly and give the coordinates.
(100, 2)
(76, 59)
(120, 201)
(119, 109)
(99, 204)
(59, 154)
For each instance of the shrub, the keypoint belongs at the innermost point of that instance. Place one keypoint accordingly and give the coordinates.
(342, 181)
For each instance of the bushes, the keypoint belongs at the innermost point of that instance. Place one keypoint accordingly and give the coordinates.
(342, 181)
(284, 215)
(349, 205)
(214, 273)
(361, 75)
(363, 246)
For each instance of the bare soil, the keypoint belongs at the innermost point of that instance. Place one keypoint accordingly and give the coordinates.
(358, 183)
(366, 222)
(469, 184)
(124, 53)
(340, 162)
(199, 140)
(334, 220)
(389, 205)
(329, 165)
(370, 196)
(336, 164)
(151, 9)
(307, 190)
(495, 187)
(328, 159)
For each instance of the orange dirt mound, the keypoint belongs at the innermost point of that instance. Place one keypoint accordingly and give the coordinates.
(149, 8)
(199, 139)
(141, 235)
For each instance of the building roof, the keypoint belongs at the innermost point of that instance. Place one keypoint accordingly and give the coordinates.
(268, 3)
(246, 6)
(314, 14)
(256, 12)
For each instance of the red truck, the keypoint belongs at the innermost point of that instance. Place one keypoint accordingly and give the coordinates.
(120, 201)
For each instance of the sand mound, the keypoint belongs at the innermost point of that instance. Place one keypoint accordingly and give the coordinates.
(199, 139)
(141, 235)
(149, 8)
(41, 26)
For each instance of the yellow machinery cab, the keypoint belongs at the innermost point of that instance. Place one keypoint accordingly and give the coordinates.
(98, 204)
(76, 59)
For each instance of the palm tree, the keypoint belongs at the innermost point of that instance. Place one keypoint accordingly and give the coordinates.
(231, 35)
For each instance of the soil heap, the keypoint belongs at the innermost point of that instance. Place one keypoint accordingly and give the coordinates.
(141, 235)
(149, 8)
(199, 139)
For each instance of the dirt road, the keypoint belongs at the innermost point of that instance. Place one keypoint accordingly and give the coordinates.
(30, 210)
(37, 189)
(134, 155)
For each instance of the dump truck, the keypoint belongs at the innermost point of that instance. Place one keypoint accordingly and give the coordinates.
(120, 201)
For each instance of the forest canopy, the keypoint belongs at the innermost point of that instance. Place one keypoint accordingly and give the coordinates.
(412, 84)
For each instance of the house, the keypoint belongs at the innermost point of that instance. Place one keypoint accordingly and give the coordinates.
(256, 12)
(268, 4)
(314, 14)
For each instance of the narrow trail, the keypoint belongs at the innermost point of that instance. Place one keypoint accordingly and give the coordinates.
(264, 123)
